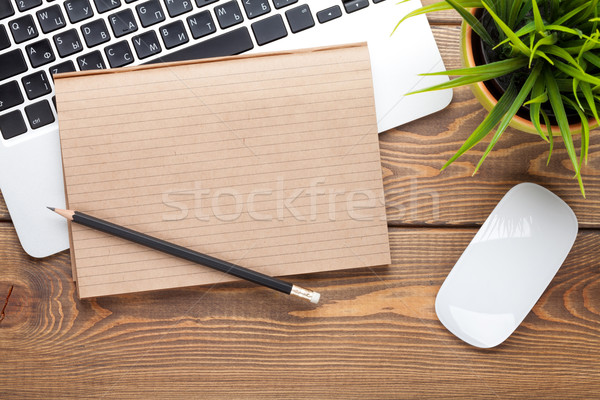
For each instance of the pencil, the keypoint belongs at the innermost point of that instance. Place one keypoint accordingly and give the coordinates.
(188, 254)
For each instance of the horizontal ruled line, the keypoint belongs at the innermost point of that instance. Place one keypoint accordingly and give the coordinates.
(199, 236)
(241, 74)
(191, 246)
(222, 223)
(223, 93)
(262, 267)
(213, 170)
(206, 104)
(214, 159)
(310, 140)
(138, 196)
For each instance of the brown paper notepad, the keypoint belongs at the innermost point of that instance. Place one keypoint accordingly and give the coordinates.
(267, 161)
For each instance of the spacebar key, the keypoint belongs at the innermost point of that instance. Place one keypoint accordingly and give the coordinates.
(227, 44)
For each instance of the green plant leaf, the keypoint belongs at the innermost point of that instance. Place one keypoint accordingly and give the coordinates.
(440, 6)
(537, 17)
(592, 58)
(538, 96)
(498, 68)
(463, 80)
(564, 29)
(547, 42)
(559, 52)
(527, 29)
(575, 73)
(510, 113)
(591, 8)
(561, 118)
(575, 86)
(587, 92)
(514, 39)
(515, 10)
(573, 13)
(542, 98)
(585, 132)
(550, 136)
(472, 21)
(490, 121)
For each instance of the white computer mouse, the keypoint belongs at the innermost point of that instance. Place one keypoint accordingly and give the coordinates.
(507, 266)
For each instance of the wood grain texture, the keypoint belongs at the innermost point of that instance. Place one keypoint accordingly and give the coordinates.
(4, 215)
(374, 335)
(419, 193)
(442, 17)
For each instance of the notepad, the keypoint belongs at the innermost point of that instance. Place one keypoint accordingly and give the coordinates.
(268, 161)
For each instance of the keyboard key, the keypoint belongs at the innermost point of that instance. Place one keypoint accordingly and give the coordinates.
(66, 66)
(39, 114)
(355, 5)
(78, 10)
(36, 85)
(6, 9)
(228, 14)
(24, 5)
(377, 1)
(90, 61)
(10, 95)
(233, 42)
(178, 7)
(146, 44)
(68, 43)
(23, 29)
(40, 53)
(269, 29)
(150, 13)
(329, 14)
(201, 24)
(129, 1)
(119, 54)
(12, 124)
(51, 18)
(300, 18)
(123, 23)
(202, 3)
(256, 8)
(95, 33)
(282, 3)
(4, 40)
(106, 5)
(174, 34)
(11, 64)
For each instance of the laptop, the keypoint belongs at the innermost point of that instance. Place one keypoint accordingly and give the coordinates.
(39, 38)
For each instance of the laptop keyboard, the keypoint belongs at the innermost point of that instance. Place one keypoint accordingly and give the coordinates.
(39, 38)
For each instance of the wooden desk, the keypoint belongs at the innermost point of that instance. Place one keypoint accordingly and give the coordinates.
(374, 335)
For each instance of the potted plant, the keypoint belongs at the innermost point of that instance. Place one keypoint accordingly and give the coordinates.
(534, 64)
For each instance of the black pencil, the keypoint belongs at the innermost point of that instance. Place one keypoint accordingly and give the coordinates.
(188, 254)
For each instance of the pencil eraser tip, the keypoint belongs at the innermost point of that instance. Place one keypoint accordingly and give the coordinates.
(315, 298)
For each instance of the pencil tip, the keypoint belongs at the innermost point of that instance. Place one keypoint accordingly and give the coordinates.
(50, 208)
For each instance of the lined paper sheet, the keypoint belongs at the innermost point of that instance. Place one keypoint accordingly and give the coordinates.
(267, 161)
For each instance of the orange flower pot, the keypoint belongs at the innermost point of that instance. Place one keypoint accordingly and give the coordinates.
(487, 99)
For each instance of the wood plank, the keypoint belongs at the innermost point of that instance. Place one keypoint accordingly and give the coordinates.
(4, 215)
(419, 193)
(448, 42)
(442, 17)
(374, 335)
